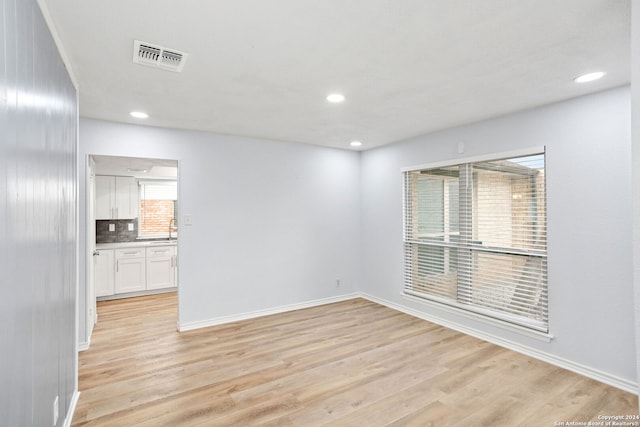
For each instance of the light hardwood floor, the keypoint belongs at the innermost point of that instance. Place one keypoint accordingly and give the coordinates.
(353, 363)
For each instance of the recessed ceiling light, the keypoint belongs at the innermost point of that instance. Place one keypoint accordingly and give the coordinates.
(589, 77)
(139, 114)
(335, 98)
(355, 143)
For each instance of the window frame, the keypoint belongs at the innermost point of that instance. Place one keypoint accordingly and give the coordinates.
(503, 318)
(141, 183)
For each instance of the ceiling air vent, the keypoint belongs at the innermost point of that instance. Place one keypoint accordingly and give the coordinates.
(157, 56)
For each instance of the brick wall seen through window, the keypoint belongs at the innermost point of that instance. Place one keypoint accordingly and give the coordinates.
(156, 217)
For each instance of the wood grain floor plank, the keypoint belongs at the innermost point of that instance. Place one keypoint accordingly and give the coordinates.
(354, 363)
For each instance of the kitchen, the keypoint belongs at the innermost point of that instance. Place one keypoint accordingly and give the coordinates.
(133, 235)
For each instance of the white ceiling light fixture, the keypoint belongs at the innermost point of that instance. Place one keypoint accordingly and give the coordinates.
(355, 144)
(589, 77)
(335, 98)
(139, 114)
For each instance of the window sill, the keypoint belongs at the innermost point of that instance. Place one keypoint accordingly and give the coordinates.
(521, 330)
(157, 236)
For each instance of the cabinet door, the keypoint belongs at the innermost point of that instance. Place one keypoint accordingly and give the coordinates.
(160, 267)
(104, 272)
(105, 202)
(130, 270)
(126, 197)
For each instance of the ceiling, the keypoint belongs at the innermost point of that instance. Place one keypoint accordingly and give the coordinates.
(135, 166)
(407, 67)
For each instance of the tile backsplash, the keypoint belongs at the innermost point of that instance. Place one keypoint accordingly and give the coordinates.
(120, 233)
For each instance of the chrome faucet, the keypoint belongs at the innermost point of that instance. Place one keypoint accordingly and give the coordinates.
(173, 223)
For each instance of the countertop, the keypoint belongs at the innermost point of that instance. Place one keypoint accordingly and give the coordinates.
(140, 244)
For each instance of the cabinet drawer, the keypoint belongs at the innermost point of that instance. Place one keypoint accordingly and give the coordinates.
(130, 253)
(160, 251)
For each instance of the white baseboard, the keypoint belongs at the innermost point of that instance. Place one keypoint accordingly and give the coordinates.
(188, 326)
(72, 409)
(84, 346)
(137, 294)
(604, 377)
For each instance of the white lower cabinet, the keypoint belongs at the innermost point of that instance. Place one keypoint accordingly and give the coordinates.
(135, 269)
(161, 264)
(130, 270)
(104, 272)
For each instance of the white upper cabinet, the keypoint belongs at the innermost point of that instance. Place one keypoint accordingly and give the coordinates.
(126, 197)
(116, 197)
(105, 196)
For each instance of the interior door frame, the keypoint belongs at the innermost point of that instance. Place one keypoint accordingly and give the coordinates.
(91, 311)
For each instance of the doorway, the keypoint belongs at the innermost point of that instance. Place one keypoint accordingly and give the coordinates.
(131, 202)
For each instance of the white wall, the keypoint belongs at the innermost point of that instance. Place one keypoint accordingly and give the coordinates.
(274, 223)
(635, 133)
(591, 312)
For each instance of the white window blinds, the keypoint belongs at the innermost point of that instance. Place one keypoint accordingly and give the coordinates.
(475, 238)
(158, 190)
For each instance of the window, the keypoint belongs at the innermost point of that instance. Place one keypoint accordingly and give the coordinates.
(475, 237)
(158, 205)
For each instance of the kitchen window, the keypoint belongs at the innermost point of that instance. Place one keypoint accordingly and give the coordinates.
(158, 209)
(475, 237)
